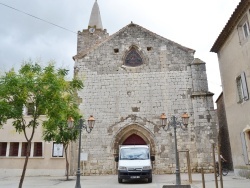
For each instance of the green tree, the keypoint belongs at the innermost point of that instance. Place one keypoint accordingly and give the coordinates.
(50, 94)
(62, 133)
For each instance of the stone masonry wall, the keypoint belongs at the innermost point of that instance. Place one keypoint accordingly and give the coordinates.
(204, 115)
(132, 99)
(86, 40)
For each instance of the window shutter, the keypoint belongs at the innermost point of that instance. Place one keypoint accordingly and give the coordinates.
(244, 86)
(244, 147)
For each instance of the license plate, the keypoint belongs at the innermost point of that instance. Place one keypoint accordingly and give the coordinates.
(134, 177)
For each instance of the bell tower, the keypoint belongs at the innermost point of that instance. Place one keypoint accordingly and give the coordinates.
(94, 34)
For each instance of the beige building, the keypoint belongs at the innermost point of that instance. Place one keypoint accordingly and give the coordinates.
(233, 49)
(45, 158)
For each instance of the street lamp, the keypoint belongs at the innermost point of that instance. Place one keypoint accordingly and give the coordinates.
(174, 123)
(91, 122)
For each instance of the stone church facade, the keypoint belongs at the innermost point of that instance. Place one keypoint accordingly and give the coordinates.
(130, 79)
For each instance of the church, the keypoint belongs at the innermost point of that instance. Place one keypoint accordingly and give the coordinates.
(130, 79)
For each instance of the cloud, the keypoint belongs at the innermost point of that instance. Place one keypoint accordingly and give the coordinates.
(195, 24)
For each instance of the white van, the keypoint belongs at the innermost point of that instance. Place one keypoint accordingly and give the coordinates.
(134, 162)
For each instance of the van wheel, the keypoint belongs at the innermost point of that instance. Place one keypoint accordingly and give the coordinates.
(149, 180)
(120, 180)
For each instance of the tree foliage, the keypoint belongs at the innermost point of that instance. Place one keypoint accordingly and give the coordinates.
(47, 92)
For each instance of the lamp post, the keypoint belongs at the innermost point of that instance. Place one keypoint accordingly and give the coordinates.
(174, 123)
(91, 122)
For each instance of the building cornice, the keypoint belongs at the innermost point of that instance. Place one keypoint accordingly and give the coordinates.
(201, 94)
(229, 27)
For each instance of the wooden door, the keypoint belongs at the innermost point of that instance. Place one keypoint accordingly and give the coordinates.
(134, 139)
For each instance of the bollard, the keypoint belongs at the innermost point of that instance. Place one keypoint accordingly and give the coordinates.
(189, 168)
(220, 167)
(215, 176)
(203, 179)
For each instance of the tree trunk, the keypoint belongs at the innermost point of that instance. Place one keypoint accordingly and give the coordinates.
(67, 162)
(25, 164)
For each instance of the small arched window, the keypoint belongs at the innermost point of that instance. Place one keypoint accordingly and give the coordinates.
(133, 58)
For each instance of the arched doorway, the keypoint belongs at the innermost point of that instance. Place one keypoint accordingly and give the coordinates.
(133, 134)
(134, 139)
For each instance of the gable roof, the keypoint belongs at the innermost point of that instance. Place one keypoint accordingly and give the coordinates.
(82, 54)
(229, 27)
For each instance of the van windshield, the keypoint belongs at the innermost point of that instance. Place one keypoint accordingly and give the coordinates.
(134, 154)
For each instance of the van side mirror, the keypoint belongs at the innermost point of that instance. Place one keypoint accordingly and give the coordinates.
(116, 159)
(152, 158)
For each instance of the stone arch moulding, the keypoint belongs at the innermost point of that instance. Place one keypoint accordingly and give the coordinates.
(137, 52)
(130, 129)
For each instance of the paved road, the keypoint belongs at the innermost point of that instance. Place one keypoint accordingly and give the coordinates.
(230, 181)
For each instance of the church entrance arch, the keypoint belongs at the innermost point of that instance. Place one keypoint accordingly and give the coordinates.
(133, 134)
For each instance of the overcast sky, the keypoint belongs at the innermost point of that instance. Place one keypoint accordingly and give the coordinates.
(194, 24)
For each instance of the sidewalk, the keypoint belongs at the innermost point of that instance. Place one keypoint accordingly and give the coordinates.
(229, 181)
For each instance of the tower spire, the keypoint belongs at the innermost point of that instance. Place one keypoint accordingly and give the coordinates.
(95, 17)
